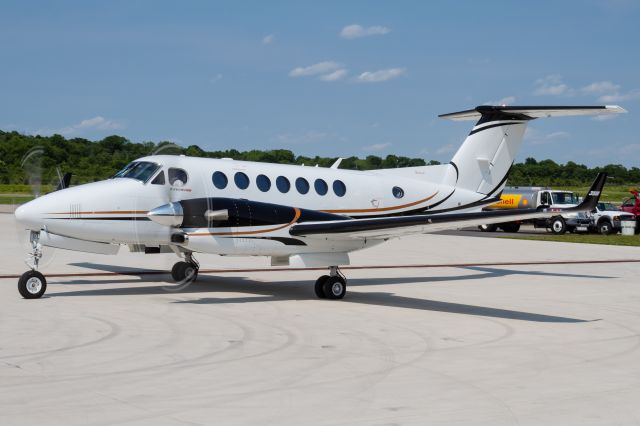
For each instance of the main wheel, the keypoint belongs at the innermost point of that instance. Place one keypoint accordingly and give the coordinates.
(32, 285)
(488, 228)
(605, 227)
(184, 272)
(334, 288)
(318, 288)
(510, 227)
(558, 225)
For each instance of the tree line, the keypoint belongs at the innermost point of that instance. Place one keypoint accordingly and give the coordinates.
(24, 156)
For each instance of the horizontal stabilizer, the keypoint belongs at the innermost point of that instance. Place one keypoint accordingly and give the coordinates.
(531, 112)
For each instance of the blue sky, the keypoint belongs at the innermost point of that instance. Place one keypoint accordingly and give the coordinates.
(332, 78)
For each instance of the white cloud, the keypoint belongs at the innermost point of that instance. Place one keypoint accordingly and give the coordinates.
(535, 137)
(609, 92)
(215, 78)
(619, 97)
(446, 149)
(604, 117)
(599, 87)
(95, 123)
(338, 74)
(268, 39)
(380, 75)
(315, 69)
(551, 85)
(507, 100)
(376, 147)
(357, 31)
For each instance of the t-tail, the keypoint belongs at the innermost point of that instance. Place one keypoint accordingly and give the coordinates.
(482, 163)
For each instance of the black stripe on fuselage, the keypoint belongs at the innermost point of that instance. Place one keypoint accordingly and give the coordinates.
(284, 240)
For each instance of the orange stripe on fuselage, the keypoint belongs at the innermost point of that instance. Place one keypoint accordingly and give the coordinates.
(383, 209)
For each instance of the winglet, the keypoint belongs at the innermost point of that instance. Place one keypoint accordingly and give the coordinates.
(593, 196)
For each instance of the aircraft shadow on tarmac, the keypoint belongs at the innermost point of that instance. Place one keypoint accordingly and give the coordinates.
(270, 291)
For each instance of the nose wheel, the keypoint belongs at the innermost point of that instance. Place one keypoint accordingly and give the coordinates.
(332, 286)
(32, 284)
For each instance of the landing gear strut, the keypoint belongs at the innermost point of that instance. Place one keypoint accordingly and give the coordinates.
(32, 284)
(332, 286)
(185, 271)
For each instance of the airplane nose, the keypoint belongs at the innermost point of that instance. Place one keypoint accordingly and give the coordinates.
(27, 216)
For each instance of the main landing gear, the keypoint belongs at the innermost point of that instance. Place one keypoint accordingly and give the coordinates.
(332, 286)
(185, 271)
(32, 284)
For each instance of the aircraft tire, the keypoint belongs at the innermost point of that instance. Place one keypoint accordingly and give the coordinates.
(184, 271)
(32, 285)
(318, 288)
(334, 288)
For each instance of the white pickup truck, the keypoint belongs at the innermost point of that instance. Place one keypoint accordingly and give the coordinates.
(606, 218)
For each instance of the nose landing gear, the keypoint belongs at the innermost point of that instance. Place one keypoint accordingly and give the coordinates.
(32, 284)
(332, 286)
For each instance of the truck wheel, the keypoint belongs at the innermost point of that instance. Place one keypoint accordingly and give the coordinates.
(488, 228)
(510, 227)
(558, 225)
(605, 227)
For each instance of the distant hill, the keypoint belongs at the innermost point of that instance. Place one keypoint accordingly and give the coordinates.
(21, 155)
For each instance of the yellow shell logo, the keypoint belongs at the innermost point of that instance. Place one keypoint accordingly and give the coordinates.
(508, 201)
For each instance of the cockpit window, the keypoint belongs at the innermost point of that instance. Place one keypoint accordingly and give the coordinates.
(158, 180)
(139, 170)
(177, 177)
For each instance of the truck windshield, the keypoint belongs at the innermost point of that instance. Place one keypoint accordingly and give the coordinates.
(607, 206)
(139, 170)
(564, 198)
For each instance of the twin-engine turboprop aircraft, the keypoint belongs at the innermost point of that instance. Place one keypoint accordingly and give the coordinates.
(299, 216)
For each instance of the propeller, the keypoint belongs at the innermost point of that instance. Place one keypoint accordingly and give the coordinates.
(32, 167)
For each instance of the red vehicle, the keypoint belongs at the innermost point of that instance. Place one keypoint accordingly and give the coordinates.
(632, 205)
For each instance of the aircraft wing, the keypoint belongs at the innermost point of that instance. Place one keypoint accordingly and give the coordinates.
(388, 227)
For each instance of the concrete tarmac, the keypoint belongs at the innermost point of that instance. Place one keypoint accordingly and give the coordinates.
(505, 339)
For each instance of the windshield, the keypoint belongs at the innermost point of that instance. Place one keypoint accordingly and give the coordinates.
(607, 206)
(564, 198)
(139, 170)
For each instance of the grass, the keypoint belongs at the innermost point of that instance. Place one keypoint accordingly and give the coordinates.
(612, 240)
(15, 198)
(612, 193)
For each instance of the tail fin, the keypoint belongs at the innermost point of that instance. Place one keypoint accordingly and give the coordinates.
(590, 201)
(483, 161)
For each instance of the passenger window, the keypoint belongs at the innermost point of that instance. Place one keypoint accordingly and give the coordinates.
(397, 192)
(263, 182)
(338, 188)
(158, 180)
(177, 177)
(283, 184)
(320, 186)
(241, 180)
(546, 199)
(302, 185)
(220, 180)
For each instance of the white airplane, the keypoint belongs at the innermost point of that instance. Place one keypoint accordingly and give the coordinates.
(299, 216)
